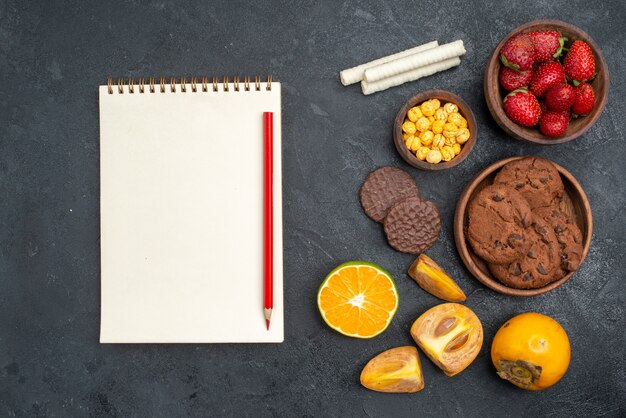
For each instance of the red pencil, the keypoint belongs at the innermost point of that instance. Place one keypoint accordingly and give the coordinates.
(268, 261)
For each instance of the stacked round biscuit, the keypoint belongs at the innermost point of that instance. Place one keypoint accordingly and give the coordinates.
(519, 227)
(390, 196)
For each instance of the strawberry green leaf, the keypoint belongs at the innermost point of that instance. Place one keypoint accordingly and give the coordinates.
(559, 51)
(509, 64)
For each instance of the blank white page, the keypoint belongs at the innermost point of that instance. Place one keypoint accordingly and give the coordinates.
(182, 216)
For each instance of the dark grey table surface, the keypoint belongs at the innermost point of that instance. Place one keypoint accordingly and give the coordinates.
(52, 59)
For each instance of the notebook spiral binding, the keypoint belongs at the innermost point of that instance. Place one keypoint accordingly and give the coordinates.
(203, 84)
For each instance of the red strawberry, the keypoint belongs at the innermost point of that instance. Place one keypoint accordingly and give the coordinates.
(584, 100)
(522, 107)
(512, 80)
(518, 53)
(579, 63)
(548, 45)
(548, 74)
(554, 123)
(560, 97)
(543, 106)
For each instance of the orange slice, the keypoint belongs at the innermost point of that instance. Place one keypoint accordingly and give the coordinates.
(358, 299)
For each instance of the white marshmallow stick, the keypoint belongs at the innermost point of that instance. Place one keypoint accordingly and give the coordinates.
(355, 74)
(411, 62)
(412, 75)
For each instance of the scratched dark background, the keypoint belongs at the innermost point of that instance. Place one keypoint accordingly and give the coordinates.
(53, 57)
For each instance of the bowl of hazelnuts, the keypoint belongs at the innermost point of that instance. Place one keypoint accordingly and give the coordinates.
(434, 130)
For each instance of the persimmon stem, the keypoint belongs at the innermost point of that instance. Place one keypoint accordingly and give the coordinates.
(519, 372)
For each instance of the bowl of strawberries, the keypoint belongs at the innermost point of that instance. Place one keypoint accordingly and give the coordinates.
(546, 82)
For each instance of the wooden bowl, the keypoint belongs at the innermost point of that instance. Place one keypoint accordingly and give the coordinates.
(444, 97)
(575, 203)
(494, 94)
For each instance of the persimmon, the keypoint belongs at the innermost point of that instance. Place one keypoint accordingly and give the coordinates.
(433, 279)
(396, 370)
(531, 351)
(450, 334)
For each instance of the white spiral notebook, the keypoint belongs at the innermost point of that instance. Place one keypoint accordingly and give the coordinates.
(181, 197)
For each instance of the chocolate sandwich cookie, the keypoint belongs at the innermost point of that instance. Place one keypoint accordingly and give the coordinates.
(568, 235)
(536, 179)
(412, 225)
(383, 188)
(538, 266)
(498, 218)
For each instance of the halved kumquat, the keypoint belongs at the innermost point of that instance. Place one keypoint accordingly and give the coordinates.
(358, 299)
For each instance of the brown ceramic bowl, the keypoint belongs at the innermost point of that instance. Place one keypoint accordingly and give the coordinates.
(575, 203)
(444, 97)
(494, 94)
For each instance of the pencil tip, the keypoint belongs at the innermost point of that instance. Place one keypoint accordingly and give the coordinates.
(268, 315)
